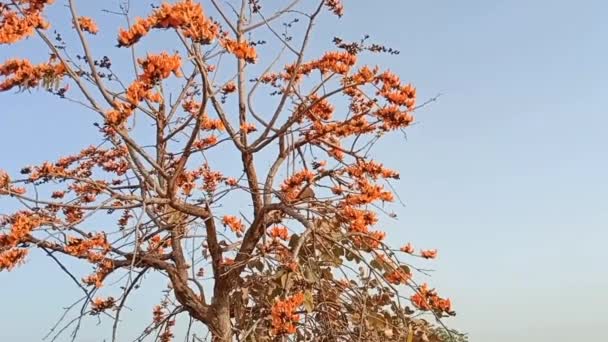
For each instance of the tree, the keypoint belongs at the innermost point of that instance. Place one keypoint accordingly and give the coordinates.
(282, 246)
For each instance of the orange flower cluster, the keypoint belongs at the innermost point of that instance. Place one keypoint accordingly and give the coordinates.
(134, 33)
(161, 66)
(73, 215)
(427, 299)
(284, 319)
(370, 168)
(371, 241)
(279, 232)
(232, 222)
(22, 73)
(291, 187)
(397, 277)
(105, 266)
(409, 249)
(429, 254)
(248, 127)
(158, 314)
(186, 181)
(358, 220)
(317, 110)
(155, 68)
(242, 50)
(186, 15)
(397, 95)
(368, 193)
(11, 258)
(231, 181)
(167, 334)
(90, 188)
(22, 224)
(100, 305)
(156, 245)
(87, 24)
(230, 87)
(86, 248)
(212, 124)
(207, 124)
(393, 118)
(205, 143)
(19, 24)
(335, 6)
(47, 171)
(395, 92)
(58, 194)
(4, 179)
(6, 187)
(338, 62)
(111, 160)
(364, 75)
(331, 132)
(211, 179)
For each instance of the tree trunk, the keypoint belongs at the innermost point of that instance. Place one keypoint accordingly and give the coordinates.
(221, 328)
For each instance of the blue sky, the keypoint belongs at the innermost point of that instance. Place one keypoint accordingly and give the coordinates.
(505, 174)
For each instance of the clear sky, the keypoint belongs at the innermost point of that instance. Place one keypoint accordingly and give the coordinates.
(506, 174)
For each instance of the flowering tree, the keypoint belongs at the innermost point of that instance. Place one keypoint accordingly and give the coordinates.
(282, 246)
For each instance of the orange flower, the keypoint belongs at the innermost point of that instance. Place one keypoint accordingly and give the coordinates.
(284, 319)
(17, 25)
(397, 277)
(205, 142)
(156, 245)
(11, 258)
(211, 179)
(155, 68)
(429, 254)
(409, 249)
(335, 6)
(231, 181)
(291, 186)
(186, 15)
(228, 262)
(339, 62)
(5, 180)
(97, 278)
(279, 232)
(22, 225)
(427, 299)
(317, 109)
(233, 223)
(230, 87)
(158, 314)
(99, 305)
(242, 50)
(93, 248)
(135, 32)
(248, 128)
(23, 74)
(58, 194)
(87, 24)
(159, 66)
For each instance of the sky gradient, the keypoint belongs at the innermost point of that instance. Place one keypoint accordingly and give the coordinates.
(506, 174)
